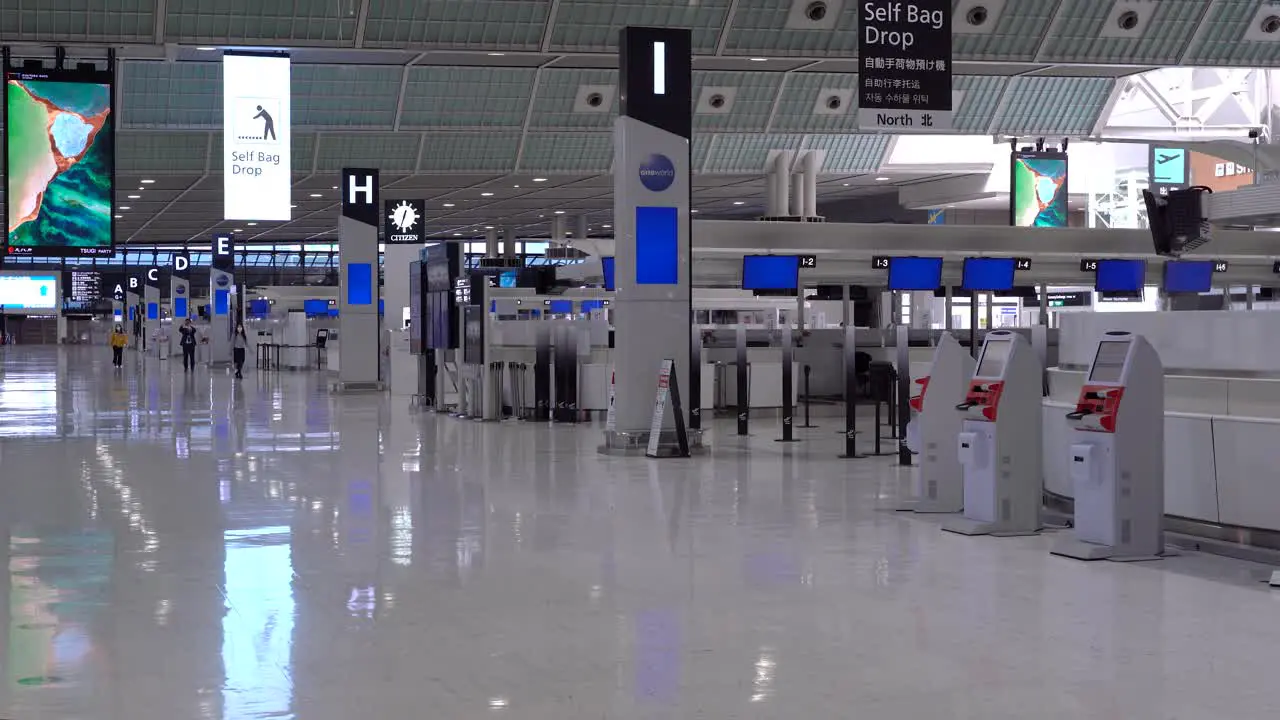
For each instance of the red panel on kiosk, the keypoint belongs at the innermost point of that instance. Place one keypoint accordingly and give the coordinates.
(917, 401)
(1101, 403)
(985, 394)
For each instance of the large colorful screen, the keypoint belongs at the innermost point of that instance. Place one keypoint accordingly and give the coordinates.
(59, 143)
(28, 292)
(1038, 197)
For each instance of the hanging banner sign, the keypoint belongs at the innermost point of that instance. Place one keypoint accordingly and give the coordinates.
(257, 169)
(904, 50)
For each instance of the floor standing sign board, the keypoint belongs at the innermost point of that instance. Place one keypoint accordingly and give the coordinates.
(668, 393)
(904, 50)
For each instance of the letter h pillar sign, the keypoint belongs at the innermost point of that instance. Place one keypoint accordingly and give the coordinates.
(359, 339)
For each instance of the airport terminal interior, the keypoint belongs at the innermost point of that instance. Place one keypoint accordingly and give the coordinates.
(640, 360)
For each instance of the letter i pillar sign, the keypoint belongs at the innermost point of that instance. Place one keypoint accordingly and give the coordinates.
(358, 334)
(651, 189)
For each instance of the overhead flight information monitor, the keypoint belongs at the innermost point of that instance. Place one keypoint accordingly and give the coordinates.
(1120, 276)
(770, 272)
(1188, 276)
(988, 274)
(1038, 189)
(60, 155)
(915, 273)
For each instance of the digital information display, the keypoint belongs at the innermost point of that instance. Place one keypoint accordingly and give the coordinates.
(915, 273)
(255, 137)
(82, 286)
(1108, 364)
(1120, 276)
(28, 292)
(1038, 192)
(770, 272)
(1188, 276)
(988, 274)
(59, 147)
(993, 360)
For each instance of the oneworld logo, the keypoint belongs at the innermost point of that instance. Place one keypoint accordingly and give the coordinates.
(222, 281)
(657, 173)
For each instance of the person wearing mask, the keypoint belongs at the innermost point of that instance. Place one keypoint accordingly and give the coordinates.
(239, 346)
(188, 344)
(118, 343)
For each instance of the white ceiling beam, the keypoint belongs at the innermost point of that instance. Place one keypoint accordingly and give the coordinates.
(726, 28)
(156, 215)
(528, 113)
(994, 122)
(782, 89)
(1209, 9)
(162, 12)
(548, 29)
(404, 83)
(1048, 31)
(362, 17)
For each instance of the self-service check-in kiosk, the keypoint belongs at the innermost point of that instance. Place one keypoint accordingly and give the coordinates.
(999, 443)
(1116, 454)
(939, 482)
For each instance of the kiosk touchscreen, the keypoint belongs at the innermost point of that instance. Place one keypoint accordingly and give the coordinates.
(938, 485)
(999, 444)
(1116, 454)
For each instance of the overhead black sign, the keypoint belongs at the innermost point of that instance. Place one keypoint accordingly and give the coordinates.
(83, 286)
(152, 276)
(904, 51)
(1220, 266)
(808, 261)
(1022, 263)
(224, 252)
(880, 262)
(182, 265)
(402, 221)
(360, 195)
(492, 263)
(1089, 265)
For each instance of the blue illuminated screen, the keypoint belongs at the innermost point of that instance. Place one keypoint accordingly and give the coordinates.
(359, 284)
(507, 279)
(657, 246)
(915, 273)
(988, 274)
(221, 302)
(315, 307)
(1120, 275)
(561, 307)
(770, 272)
(609, 266)
(259, 308)
(153, 311)
(589, 305)
(1188, 276)
(180, 307)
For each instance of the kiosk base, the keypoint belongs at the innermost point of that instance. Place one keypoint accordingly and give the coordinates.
(1080, 550)
(966, 526)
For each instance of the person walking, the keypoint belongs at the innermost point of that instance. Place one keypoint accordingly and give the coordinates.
(188, 344)
(118, 343)
(239, 346)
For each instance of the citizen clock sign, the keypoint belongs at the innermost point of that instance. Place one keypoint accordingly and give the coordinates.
(402, 221)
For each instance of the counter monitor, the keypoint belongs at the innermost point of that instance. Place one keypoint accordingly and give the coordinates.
(1188, 276)
(1120, 276)
(988, 274)
(915, 273)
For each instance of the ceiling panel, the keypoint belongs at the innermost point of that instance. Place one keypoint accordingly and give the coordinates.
(389, 152)
(159, 94)
(752, 102)
(1221, 40)
(1057, 106)
(800, 95)
(747, 153)
(567, 152)
(979, 101)
(1016, 35)
(345, 95)
(849, 153)
(257, 21)
(469, 152)
(1078, 34)
(497, 24)
(466, 97)
(759, 29)
(557, 91)
(594, 25)
(78, 20)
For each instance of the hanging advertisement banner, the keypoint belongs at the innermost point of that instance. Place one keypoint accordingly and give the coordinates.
(255, 137)
(904, 51)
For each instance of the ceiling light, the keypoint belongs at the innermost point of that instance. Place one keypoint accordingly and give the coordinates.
(515, 186)
(316, 195)
(293, 206)
(147, 182)
(693, 211)
(238, 230)
(335, 187)
(758, 59)
(559, 212)
(488, 227)
(496, 54)
(606, 226)
(135, 197)
(206, 49)
(119, 216)
(539, 179)
(252, 224)
(486, 194)
(881, 179)
(844, 184)
(457, 234)
(739, 202)
(448, 205)
(124, 207)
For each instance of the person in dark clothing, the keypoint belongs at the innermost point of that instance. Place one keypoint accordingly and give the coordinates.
(188, 344)
(239, 346)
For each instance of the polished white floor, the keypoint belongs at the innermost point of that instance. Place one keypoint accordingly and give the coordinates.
(183, 546)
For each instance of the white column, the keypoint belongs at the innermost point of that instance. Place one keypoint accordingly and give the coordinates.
(809, 169)
(771, 192)
(797, 195)
(782, 181)
(491, 242)
(558, 229)
(580, 228)
(509, 242)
